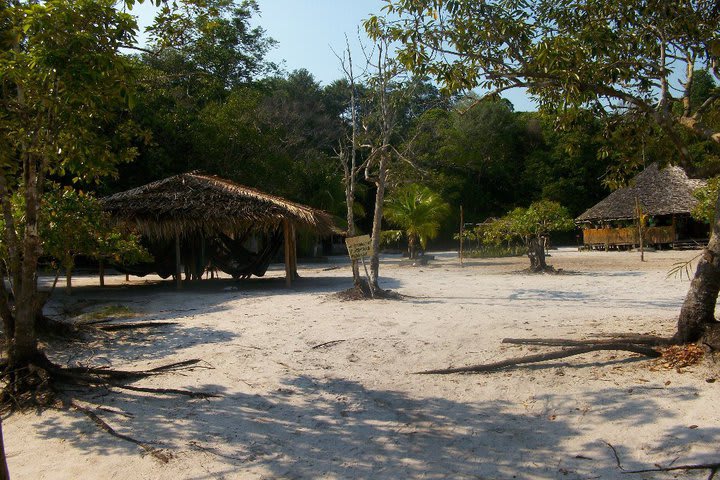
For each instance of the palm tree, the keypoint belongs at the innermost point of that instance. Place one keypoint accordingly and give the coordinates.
(418, 211)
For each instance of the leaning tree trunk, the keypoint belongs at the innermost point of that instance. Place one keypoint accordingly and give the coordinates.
(536, 254)
(698, 310)
(22, 341)
(377, 222)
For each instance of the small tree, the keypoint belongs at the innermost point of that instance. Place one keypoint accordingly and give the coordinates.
(532, 225)
(418, 211)
(70, 222)
(74, 224)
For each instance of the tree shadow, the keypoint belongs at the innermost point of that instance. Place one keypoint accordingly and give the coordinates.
(338, 428)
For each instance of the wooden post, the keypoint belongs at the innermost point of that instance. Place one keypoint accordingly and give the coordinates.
(462, 229)
(178, 273)
(293, 251)
(674, 229)
(288, 260)
(640, 228)
(101, 267)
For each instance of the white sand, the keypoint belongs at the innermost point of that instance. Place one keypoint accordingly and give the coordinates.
(355, 410)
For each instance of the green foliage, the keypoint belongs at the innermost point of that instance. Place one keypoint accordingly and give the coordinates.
(621, 59)
(540, 218)
(391, 238)
(65, 86)
(707, 197)
(73, 223)
(417, 210)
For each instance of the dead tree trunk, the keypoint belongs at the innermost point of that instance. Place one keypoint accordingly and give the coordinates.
(377, 220)
(349, 158)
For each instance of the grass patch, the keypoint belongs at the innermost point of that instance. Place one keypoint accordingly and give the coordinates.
(110, 311)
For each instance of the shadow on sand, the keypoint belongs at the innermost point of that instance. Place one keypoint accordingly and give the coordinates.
(337, 428)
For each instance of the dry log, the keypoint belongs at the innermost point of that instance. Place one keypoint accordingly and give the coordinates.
(130, 326)
(563, 342)
(167, 391)
(542, 357)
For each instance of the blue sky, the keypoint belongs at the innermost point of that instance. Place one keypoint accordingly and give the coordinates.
(308, 30)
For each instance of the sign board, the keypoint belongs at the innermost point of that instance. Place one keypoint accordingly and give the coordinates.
(358, 247)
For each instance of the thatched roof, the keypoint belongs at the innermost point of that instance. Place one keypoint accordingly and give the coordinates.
(192, 202)
(660, 192)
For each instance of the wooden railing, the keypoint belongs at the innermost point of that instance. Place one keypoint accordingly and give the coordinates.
(628, 236)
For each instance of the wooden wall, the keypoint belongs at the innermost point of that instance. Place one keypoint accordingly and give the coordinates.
(628, 236)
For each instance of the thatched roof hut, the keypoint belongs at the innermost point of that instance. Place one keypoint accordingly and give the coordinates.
(189, 205)
(664, 196)
(660, 192)
(192, 202)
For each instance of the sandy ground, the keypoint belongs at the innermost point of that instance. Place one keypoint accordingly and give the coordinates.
(354, 409)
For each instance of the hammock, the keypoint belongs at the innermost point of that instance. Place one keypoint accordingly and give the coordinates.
(232, 258)
(163, 263)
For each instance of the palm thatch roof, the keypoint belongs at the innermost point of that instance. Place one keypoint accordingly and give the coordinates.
(191, 202)
(660, 192)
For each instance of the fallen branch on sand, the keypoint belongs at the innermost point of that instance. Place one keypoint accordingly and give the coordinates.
(327, 344)
(542, 357)
(167, 391)
(713, 467)
(157, 453)
(131, 326)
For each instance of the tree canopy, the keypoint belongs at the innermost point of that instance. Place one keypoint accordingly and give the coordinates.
(622, 55)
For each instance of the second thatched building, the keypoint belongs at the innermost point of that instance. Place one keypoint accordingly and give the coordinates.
(664, 197)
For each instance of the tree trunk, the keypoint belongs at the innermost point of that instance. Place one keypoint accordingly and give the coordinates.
(536, 254)
(23, 347)
(4, 474)
(377, 221)
(68, 280)
(698, 310)
(412, 247)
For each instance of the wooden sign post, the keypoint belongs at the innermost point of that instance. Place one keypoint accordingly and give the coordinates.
(358, 248)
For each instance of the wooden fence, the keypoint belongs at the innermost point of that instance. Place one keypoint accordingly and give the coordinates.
(628, 236)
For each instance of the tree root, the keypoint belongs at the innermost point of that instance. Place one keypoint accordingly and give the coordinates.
(155, 452)
(542, 357)
(36, 385)
(106, 376)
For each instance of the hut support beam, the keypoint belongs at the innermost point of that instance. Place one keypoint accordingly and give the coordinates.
(178, 273)
(290, 252)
